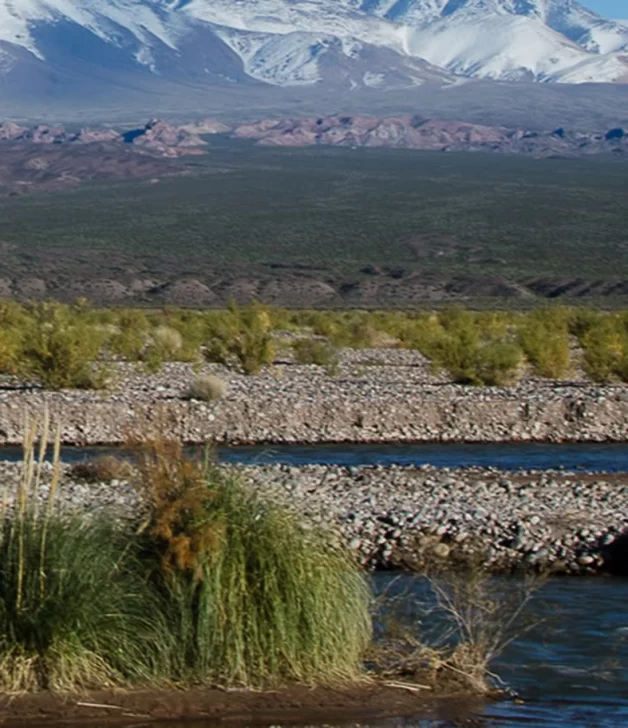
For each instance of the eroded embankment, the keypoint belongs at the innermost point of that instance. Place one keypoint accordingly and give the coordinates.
(376, 396)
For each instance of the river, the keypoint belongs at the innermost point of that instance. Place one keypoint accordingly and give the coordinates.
(595, 457)
(571, 669)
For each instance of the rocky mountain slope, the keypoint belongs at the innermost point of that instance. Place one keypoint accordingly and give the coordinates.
(94, 49)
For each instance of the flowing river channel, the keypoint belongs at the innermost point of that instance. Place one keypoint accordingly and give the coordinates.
(591, 457)
(571, 668)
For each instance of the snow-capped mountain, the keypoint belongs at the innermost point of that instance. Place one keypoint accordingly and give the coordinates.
(345, 44)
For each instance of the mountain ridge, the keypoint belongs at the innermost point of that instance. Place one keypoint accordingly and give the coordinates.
(76, 50)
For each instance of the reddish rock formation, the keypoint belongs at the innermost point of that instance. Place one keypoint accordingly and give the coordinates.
(416, 132)
(165, 138)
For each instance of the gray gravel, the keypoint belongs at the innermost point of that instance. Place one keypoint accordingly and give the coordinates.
(425, 517)
(378, 395)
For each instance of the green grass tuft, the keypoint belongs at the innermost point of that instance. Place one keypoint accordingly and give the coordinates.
(255, 598)
(75, 611)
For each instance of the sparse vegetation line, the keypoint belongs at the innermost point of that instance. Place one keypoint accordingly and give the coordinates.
(65, 347)
(258, 374)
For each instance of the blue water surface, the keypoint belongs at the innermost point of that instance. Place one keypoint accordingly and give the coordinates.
(597, 457)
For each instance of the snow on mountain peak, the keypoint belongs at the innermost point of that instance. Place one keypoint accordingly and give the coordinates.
(305, 42)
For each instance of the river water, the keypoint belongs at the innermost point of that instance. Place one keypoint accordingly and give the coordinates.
(571, 669)
(599, 457)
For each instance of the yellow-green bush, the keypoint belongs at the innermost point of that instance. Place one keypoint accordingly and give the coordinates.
(60, 350)
(313, 351)
(605, 347)
(544, 338)
(460, 342)
(242, 338)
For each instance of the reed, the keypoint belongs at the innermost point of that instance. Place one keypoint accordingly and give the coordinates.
(74, 611)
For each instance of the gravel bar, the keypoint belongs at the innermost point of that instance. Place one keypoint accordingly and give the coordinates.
(378, 395)
(420, 518)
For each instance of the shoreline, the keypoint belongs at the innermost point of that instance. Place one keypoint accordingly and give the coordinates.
(294, 704)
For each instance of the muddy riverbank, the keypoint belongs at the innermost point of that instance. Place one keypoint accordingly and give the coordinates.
(296, 704)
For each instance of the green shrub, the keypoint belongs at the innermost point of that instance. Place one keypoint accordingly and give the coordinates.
(546, 345)
(497, 363)
(130, 335)
(10, 353)
(470, 361)
(253, 597)
(466, 346)
(584, 320)
(621, 370)
(60, 350)
(313, 351)
(190, 326)
(242, 337)
(602, 353)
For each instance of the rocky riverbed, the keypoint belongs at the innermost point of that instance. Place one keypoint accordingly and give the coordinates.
(427, 518)
(424, 517)
(376, 395)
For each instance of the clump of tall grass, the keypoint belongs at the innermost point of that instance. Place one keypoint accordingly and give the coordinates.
(252, 596)
(74, 612)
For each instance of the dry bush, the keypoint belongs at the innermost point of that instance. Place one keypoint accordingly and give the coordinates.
(207, 388)
(167, 341)
(102, 469)
(452, 636)
(483, 617)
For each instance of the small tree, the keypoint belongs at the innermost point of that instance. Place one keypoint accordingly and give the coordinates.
(242, 337)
